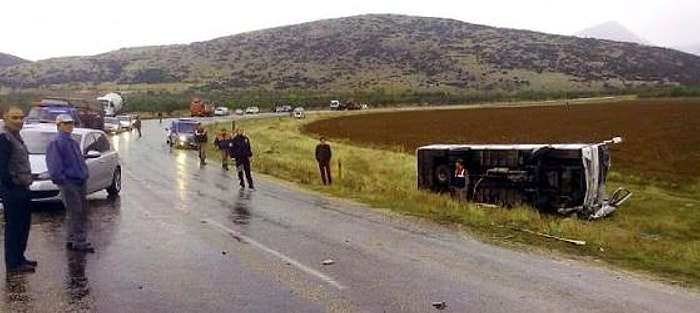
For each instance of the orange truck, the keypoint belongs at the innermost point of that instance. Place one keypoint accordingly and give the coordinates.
(200, 108)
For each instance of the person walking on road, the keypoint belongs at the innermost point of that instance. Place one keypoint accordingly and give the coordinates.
(239, 149)
(201, 139)
(15, 178)
(160, 117)
(69, 172)
(323, 157)
(221, 143)
(137, 125)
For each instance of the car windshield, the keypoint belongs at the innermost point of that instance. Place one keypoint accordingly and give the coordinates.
(38, 141)
(186, 127)
(111, 120)
(45, 114)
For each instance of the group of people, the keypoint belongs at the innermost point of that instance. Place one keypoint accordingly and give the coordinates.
(68, 170)
(235, 147)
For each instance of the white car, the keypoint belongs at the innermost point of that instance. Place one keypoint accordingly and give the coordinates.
(299, 112)
(102, 160)
(252, 110)
(112, 125)
(221, 111)
(127, 121)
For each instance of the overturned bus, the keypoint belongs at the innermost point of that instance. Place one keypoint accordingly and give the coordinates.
(561, 178)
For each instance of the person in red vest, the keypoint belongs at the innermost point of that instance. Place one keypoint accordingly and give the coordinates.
(460, 181)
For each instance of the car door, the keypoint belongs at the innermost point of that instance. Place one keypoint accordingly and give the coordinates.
(107, 162)
(87, 145)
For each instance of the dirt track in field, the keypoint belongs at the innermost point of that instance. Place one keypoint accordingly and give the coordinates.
(661, 137)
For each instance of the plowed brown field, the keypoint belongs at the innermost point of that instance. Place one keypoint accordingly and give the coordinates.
(661, 137)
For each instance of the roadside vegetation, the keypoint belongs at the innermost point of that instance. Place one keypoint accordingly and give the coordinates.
(654, 233)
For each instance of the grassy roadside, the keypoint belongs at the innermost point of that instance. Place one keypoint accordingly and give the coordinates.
(655, 232)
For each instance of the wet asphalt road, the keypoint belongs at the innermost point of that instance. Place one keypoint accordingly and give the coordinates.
(183, 238)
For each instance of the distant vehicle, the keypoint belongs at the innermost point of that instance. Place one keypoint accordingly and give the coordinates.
(335, 105)
(112, 104)
(221, 111)
(112, 125)
(239, 111)
(200, 108)
(86, 114)
(252, 110)
(299, 112)
(103, 163)
(126, 121)
(562, 178)
(181, 133)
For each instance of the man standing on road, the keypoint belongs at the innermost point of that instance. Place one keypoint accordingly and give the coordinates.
(69, 172)
(137, 125)
(160, 117)
(221, 143)
(201, 139)
(15, 178)
(239, 149)
(323, 157)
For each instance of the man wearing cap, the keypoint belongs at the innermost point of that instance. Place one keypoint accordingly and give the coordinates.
(69, 172)
(15, 178)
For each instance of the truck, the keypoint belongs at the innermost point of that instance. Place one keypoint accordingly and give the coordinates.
(112, 104)
(86, 114)
(200, 108)
(554, 178)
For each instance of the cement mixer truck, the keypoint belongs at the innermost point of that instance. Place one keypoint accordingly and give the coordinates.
(112, 103)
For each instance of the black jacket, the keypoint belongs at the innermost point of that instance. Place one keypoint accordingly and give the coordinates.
(239, 148)
(323, 153)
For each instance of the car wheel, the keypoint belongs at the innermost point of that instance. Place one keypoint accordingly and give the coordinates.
(116, 185)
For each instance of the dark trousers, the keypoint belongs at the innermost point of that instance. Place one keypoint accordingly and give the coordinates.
(75, 201)
(202, 151)
(18, 217)
(241, 168)
(138, 129)
(325, 169)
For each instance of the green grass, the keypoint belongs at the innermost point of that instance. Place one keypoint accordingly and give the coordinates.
(655, 232)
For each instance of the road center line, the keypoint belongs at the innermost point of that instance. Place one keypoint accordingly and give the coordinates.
(285, 258)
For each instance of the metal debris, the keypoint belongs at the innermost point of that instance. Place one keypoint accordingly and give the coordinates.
(440, 305)
(328, 262)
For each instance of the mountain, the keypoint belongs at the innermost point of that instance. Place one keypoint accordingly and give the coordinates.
(9, 60)
(694, 49)
(382, 53)
(611, 31)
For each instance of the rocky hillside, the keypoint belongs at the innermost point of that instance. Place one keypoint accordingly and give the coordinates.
(10, 60)
(390, 53)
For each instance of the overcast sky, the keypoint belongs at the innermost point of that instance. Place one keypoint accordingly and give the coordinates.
(40, 29)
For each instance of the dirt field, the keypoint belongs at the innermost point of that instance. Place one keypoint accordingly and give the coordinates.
(661, 137)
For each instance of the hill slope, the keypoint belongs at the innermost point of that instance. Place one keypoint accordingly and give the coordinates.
(611, 31)
(9, 60)
(390, 53)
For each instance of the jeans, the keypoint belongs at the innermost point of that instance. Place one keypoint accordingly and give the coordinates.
(241, 168)
(325, 169)
(18, 217)
(74, 199)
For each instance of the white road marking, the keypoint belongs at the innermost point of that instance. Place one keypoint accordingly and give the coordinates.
(285, 258)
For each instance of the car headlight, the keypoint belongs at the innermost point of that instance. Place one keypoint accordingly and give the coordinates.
(182, 138)
(42, 176)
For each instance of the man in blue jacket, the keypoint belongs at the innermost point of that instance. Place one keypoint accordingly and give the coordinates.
(15, 179)
(69, 172)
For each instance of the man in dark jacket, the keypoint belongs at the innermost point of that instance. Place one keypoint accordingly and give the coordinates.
(221, 143)
(201, 139)
(68, 170)
(15, 178)
(323, 157)
(239, 149)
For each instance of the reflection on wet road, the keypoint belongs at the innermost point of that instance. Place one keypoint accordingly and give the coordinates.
(184, 238)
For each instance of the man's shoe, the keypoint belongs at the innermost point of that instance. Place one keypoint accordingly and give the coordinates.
(30, 262)
(24, 268)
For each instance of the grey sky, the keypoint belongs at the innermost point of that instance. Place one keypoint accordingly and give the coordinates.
(40, 29)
